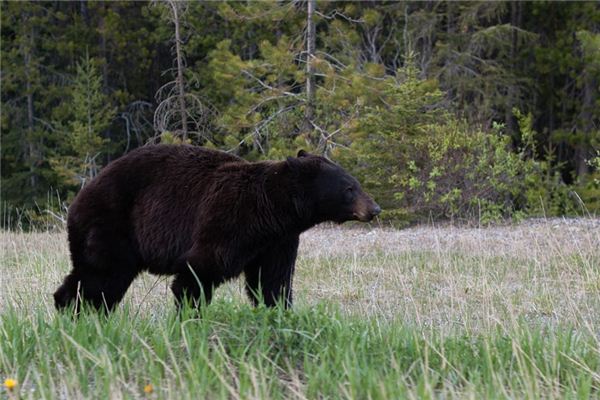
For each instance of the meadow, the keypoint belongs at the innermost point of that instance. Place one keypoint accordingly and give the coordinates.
(425, 312)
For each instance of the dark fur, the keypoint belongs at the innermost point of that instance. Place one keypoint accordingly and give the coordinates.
(204, 216)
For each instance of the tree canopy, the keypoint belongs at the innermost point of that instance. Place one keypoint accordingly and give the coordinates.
(443, 109)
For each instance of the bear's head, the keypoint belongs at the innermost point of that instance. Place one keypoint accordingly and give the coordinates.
(328, 192)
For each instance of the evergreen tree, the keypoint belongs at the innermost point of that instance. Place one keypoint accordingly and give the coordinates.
(258, 79)
(82, 143)
(24, 125)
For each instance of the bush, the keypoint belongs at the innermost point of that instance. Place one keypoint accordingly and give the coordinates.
(419, 160)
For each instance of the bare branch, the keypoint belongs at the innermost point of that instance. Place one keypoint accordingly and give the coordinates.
(266, 86)
(335, 13)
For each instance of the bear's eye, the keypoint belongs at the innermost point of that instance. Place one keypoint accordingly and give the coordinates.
(349, 194)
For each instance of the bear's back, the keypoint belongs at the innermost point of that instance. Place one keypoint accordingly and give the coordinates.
(151, 168)
(151, 196)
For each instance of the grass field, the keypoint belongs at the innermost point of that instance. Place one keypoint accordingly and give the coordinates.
(425, 312)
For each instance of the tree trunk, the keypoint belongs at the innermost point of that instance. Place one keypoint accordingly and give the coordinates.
(103, 53)
(449, 19)
(31, 148)
(309, 112)
(510, 101)
(589, 96)
(84, 11)
(30, 127)
(180, 82)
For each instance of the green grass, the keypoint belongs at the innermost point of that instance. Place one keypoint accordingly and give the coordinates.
(508, 312)
(236, 351)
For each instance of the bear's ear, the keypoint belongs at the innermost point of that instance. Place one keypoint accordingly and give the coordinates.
(302, 153)
(293, 163)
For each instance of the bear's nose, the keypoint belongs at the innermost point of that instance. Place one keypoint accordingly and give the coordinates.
(376, 210)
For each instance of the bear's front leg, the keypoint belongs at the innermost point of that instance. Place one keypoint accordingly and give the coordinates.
(269, 276)
(195, 281)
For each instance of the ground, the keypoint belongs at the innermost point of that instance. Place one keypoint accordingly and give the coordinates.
(436, 311)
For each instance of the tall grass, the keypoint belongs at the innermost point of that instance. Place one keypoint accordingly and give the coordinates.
(505, 312)
(233, 351)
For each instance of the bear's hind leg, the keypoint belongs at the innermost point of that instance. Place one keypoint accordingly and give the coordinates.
(101, 289)
(104, 265)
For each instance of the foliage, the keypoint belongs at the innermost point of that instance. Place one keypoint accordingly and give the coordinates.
(463, 66)
(75, 159)
(588, 188)
(545, 192)
(595, 162)
(424, 164)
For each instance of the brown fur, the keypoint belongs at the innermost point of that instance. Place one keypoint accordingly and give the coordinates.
(204, 216)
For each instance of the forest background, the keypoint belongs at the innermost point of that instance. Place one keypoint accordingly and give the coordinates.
(444, 110)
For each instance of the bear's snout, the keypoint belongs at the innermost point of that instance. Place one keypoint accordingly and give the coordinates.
(376, 210)
(365, 209)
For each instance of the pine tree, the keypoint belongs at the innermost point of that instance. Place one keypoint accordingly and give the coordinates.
(82, 143)
(25, 122)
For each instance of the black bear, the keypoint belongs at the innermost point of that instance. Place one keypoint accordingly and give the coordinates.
(204, 216)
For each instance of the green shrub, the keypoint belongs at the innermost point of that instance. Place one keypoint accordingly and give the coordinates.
(419, 160)
(588, 189)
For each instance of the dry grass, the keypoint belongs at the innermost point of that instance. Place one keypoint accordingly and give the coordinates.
(448, 277)
(445, 278)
